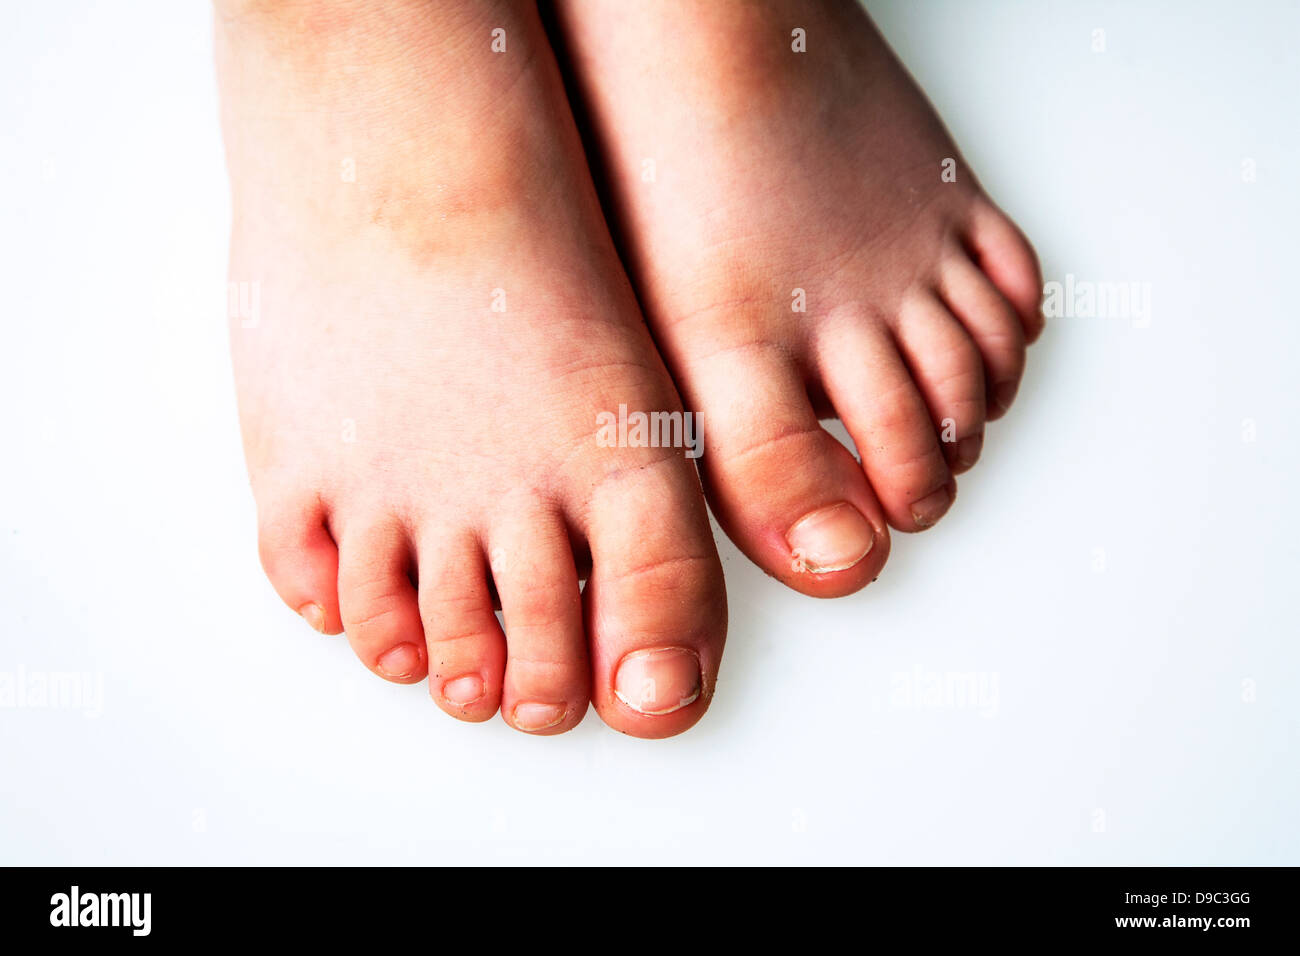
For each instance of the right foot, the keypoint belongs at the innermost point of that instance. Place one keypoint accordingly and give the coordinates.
(799, 253)
(411, 449)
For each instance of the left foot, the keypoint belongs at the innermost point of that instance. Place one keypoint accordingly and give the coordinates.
(422, 447)
(747, 179)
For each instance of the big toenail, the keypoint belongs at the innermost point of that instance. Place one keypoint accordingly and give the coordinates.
(968, 450)
(463, 690)
(1004, 395)
(313, 615)
(658, 681)
(534, 715)
(830, 539)
(931, 508)
(400, 662)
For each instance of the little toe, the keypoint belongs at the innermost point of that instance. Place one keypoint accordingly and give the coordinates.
(1004, 254)
(301, 560)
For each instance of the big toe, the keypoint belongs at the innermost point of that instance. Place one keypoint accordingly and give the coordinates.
(655, 603)
(787, 492)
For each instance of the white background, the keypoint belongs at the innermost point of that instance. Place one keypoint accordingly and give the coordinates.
(1122, 563)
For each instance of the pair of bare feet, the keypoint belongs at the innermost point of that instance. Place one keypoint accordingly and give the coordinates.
(444, 321)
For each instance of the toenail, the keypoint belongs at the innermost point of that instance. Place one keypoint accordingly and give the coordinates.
(931, 508)
(830, 539)
(1004, 395)
(968, 450)
(463, 690)
(534, 715)
(400, 662)
(313, 615)
(658, 681)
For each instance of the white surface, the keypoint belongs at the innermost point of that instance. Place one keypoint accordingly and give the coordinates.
(229, 732)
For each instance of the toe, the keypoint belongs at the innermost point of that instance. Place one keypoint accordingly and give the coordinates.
(301, 561)
(874, 394)
(948, 370)
(786, 491)
(378, 602)
(655, 605)
(1007, 258)
(548, 673)
(992, 323)
(465, 645)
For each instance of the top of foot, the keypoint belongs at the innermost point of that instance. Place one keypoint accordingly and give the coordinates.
(430, 321)
(806, 241)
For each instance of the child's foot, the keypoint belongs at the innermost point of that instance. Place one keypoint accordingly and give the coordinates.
(748, 181)
(431, 316)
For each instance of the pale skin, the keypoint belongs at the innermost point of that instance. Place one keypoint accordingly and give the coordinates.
(444, 314)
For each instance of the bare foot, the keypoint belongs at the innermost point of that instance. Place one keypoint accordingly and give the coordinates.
(433, 319)
(806, 241)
